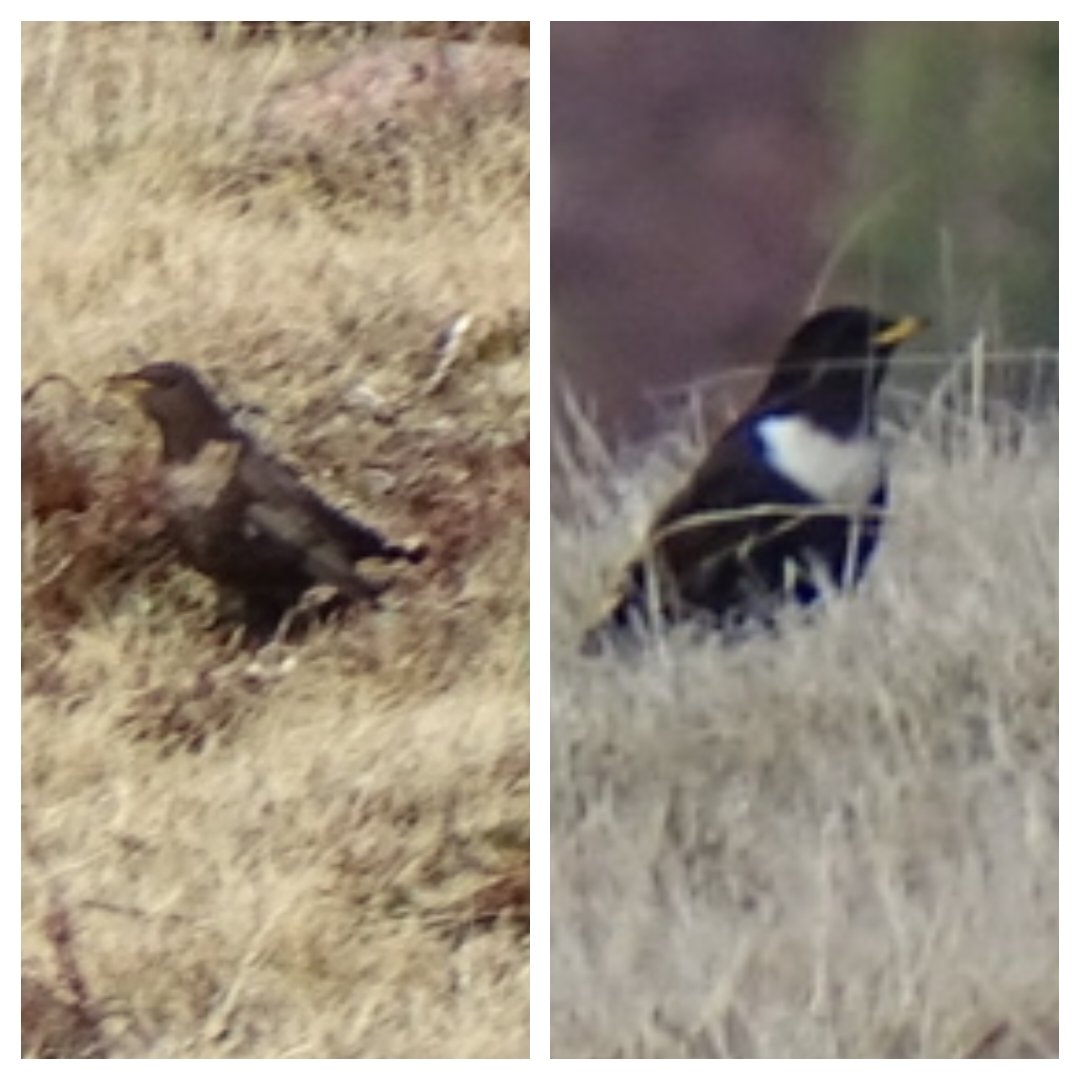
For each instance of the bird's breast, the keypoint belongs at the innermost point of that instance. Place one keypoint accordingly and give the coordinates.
(195, 486)
(827, 467)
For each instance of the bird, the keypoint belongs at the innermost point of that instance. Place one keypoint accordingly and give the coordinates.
(242, 518)
(791, 498)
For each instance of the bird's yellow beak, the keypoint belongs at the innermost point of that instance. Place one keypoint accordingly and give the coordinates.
(900, 330)
(130, 382)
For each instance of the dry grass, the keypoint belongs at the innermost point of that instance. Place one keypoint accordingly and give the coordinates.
(321, 850)
(839, 844)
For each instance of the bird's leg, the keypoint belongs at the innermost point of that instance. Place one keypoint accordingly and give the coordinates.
(357, 587)
(263, 614)
(337, 605)
(231, 608)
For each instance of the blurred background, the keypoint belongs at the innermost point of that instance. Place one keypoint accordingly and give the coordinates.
(711, 182)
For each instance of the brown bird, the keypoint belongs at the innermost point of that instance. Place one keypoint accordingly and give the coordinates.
(243, 519)
(791, 497)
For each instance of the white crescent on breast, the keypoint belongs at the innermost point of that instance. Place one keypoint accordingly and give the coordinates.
(197, 484)
(828, 468)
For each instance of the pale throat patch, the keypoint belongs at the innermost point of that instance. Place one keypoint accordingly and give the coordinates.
(198, 484)
(825, 466)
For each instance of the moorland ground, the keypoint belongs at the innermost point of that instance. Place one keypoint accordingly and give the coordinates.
(839, 842)
(320, 849)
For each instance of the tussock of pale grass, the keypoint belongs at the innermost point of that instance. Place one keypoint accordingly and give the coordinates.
(322, 849)
(842, 843)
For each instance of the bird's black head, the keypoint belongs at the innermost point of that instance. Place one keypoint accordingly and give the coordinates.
(833, 365)
(179, 402)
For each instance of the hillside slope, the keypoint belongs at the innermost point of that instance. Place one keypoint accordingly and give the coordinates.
(322, 849)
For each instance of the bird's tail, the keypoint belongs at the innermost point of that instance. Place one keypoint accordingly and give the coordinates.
(625, 618)
(409, 552)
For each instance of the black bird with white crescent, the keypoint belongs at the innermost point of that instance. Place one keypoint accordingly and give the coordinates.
(791, 497)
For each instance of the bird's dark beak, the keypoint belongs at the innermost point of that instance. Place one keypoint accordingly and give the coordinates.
(899, 331)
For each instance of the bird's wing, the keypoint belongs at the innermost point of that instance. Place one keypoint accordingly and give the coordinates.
(715, 510)
(281, 501)
(290, 526)
(702, 540)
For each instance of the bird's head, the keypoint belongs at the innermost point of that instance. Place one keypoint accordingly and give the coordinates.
(181, 405)
(836, 360)
(851, 333)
